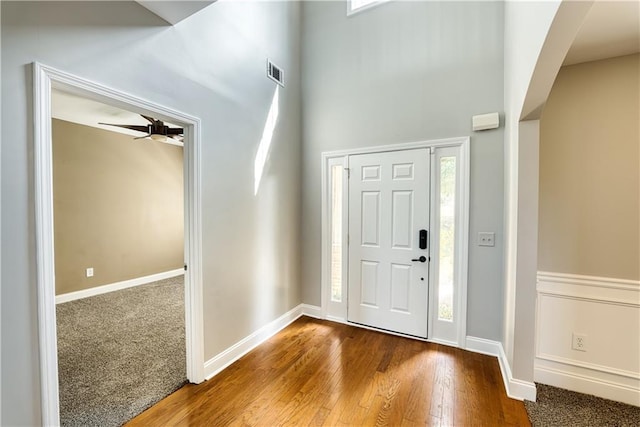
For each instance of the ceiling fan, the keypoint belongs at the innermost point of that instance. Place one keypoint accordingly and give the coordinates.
(156, 130)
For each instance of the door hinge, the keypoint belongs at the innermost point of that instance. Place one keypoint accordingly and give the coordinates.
(348, 172)
(185, 267)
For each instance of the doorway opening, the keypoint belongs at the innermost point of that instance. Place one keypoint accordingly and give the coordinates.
(119, 260)
(46, 80)
(395, 224)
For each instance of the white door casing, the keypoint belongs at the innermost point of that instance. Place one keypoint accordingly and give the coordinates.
(388, 206)
(46, 78)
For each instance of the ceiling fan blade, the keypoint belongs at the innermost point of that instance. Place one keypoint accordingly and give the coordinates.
(150, 119)
(142, 137)
(175, 131)
(132, 127)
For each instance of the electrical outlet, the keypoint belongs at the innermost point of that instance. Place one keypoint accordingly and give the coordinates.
(486, 239)
(579, 342)
(90, 272)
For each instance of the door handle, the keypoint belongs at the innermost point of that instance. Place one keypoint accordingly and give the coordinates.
(421, 259)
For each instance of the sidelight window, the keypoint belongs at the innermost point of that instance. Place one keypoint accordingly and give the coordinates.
(336, 232)
(447, 232)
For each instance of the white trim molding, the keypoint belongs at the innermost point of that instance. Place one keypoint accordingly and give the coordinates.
(588, 381)
(312, 311)
(50, 405)
(596, 308)
(612, 290)
(515, 388)
(112, 287)
(483, 346)
(452, 331)
(222, 360)
(329, 307)
(45, 79)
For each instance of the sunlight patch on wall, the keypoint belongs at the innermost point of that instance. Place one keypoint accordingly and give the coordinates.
(265, 142)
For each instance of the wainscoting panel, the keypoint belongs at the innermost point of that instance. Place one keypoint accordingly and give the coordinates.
(588, 335)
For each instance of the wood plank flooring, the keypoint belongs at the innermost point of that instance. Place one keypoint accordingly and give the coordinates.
(316, 372)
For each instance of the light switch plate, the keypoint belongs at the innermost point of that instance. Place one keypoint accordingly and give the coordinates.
(90, 272)
(486, 238)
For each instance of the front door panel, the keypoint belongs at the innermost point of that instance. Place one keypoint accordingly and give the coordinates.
(388, 206)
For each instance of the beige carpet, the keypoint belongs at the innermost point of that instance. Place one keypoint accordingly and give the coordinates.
(559, 407)
(120, 352)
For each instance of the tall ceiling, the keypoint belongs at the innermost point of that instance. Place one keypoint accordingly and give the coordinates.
(611, 28)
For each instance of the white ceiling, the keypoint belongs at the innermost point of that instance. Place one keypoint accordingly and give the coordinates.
(76, 109)
(172, 11)
(611, 28)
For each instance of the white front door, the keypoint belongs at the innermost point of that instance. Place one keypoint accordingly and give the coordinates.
(388, 206)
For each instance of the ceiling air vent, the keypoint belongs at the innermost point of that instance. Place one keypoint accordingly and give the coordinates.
(275, 73)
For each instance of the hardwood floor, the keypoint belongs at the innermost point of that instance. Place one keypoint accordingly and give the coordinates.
(316, 372)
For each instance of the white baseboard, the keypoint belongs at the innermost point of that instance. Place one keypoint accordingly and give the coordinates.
(516, 389)
(312, 311)
(589, 381)
(594, 383)
(483, 346)
(219, 362)
(99, 290)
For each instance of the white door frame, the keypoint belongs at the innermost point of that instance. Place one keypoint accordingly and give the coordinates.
(337, 312)
(46, 78)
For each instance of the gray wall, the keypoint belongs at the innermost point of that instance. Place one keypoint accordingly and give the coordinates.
(408, 71)
(211, 65)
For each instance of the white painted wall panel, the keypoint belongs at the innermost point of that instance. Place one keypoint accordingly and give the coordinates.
(612, 332)
(606, 312)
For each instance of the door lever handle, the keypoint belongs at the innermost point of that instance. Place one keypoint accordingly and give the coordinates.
(421, 259)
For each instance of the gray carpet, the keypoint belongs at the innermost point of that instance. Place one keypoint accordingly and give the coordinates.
(121, 352)
(558, 407)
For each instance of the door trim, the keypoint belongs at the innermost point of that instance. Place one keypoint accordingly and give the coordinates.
(44, 79)
(329, 310)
